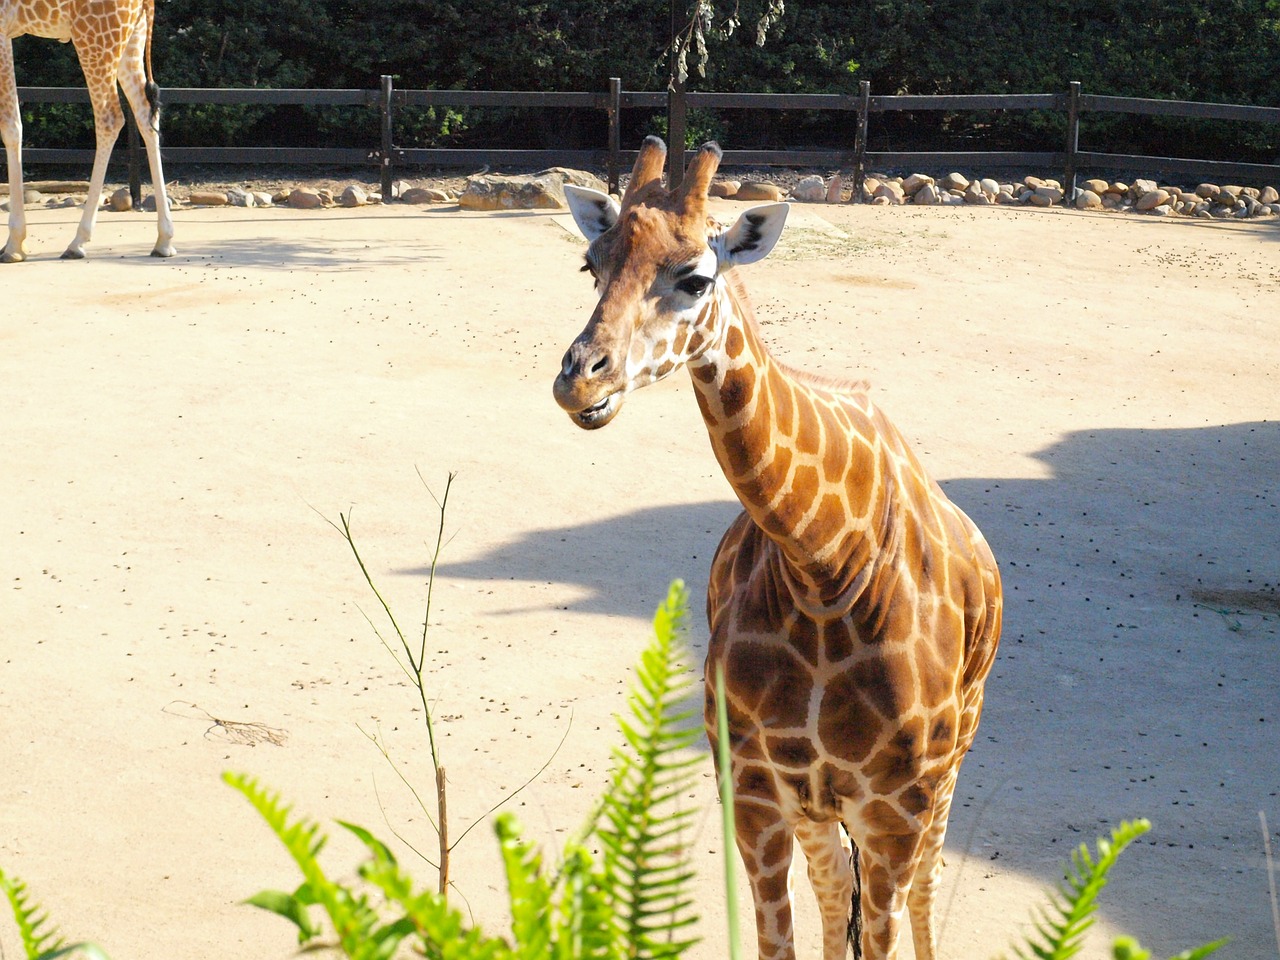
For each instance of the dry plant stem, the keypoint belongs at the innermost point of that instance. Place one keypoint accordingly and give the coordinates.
(1271, 878)
(443, 832)
(416, 665)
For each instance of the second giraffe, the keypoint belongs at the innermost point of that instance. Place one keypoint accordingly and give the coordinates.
(854, 609)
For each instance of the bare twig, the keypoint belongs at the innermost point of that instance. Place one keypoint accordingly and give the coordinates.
(1271, 877)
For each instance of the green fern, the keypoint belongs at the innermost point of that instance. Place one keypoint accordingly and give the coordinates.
(1063, 924)
(643, 821)
(40, 937)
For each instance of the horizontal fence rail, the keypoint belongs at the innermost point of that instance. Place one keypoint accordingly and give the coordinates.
(855, 109)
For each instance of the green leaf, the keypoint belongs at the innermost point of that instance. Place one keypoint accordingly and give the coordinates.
(290, 907)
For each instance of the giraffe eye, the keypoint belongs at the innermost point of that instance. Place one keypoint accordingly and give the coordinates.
(694, 286)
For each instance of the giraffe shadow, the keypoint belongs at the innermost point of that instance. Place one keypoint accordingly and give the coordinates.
(273, 253)
(1142, 612)
(678, 539)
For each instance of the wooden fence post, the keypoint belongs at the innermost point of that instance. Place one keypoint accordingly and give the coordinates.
(860, 141)
(614, 109)
(135, 163)
(1073, 143)
(388, 147)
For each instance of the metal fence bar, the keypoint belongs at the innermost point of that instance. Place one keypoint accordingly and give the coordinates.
(1073, 141)
(984, 101)
(615, 131)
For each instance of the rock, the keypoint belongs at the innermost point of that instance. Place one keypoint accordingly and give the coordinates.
(925, 194)
(869, 187)
(1032, 182)
(305, 198)
(1268, 195)
(891, 190)
(494, 192)
(1049, 193)
(1151, 199)
(914, 183)
(1096, 187)
(1006, 194)
(1162, 210)
(1039, 199)
(1088, 200)
(280, 196)
(812, 189)
(973, 194)
(261, 198)
(119, 201)
(207, 198)
(1141, 187)
(1207, 191)
(424, 195)
(835, 189)
(353, 196)
(1229, 190)
(881, 201)
(989, 187)
(241, 198)
(579, 178)
(954, 181)
(724, 188)
(758, 191)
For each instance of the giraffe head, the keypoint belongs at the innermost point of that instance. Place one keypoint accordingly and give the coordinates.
(658, 261)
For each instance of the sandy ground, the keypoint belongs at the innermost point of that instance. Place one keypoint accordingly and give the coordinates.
(1102, 394)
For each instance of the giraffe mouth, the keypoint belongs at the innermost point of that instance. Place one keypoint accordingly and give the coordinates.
(598, 414)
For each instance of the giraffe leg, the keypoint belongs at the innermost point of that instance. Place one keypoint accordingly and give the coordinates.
(764, 842)
(928, 876)
(11, 131)
(133, 80)
(108, 118)
(888, 865)
(828, 849)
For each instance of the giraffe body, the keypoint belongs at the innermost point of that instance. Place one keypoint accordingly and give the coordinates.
(854, 609)
(112, 40)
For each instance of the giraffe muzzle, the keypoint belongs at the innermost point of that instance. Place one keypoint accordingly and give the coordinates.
(586, 387)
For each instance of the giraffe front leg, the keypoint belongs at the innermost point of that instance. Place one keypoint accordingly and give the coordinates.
(11, 131)
(828, 851)
(928, 876)
(889, 864)
(764, 841)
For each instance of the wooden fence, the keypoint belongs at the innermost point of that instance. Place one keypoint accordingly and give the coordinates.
(855, 113)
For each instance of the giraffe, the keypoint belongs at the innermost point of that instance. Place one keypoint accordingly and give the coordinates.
(112, 40)
(854, 610)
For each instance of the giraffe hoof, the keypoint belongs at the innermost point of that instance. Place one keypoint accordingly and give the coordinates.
(16, 256)
(164, 251)
(73, 253)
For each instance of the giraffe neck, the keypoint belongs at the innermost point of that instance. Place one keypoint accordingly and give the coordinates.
(807, 461)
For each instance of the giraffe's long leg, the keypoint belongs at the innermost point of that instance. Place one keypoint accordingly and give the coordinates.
(133, 80)
(827, 849)
(928, 875)
(889, 863)
(764, 841)
(99, 59)
(11, 132)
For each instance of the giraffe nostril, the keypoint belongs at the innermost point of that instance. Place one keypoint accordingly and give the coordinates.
(600, 365)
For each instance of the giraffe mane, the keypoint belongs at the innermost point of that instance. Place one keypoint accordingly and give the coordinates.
(845, 386)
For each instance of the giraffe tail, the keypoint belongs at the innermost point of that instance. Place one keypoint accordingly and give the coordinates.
(855, 912)
(152, 88)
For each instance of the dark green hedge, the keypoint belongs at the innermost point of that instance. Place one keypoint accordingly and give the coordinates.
(1210, 50)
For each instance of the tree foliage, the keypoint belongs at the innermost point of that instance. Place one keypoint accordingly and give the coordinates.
(1209, 50)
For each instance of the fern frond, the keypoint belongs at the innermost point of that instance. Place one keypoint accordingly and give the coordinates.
(641, 820)
(354, 921)
(1062, 925)
(36, 942)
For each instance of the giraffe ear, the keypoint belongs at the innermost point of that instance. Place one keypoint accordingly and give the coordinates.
(754, 234)
(594, 212)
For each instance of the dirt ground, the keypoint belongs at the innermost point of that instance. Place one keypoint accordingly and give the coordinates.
(1101, 393)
